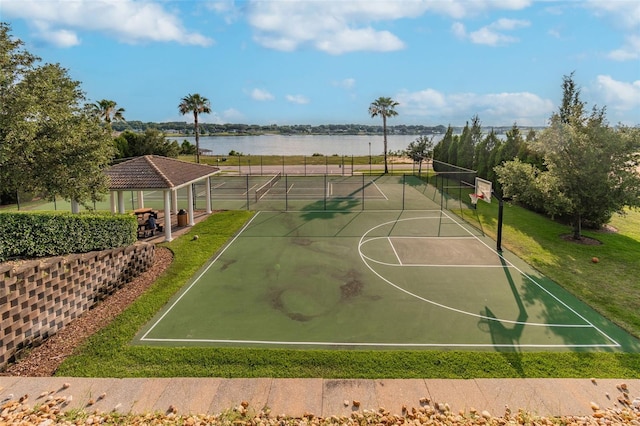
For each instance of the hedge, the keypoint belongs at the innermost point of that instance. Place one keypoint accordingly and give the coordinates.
(32, 235)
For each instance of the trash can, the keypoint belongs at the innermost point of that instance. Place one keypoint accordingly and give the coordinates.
(182, 218)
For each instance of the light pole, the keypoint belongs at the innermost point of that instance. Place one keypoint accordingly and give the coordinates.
(369, 158)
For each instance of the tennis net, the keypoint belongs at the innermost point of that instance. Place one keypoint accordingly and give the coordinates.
(260, 192)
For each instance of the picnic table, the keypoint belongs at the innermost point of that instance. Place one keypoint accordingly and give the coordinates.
(142, 215)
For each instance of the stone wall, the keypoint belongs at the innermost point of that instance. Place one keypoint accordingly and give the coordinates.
(39, 297)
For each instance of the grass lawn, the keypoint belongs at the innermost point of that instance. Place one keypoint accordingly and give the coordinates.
(610, 286)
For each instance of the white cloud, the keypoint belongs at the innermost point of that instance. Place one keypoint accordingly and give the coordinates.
(349, 40)
(226, 8)
(459, 9)
(629, 51)
(61, 38)
(128, 21)
(347, 83)
(499, 108)
(458, 29)
(232, 115)
(625, 14)
(297, 99)
(619, 95)
(555, 33)
(490, 37)
(261, 95)
(492, 34)
(338, 27)
(332, 27)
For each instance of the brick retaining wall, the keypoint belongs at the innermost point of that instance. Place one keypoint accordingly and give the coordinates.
(39, 297)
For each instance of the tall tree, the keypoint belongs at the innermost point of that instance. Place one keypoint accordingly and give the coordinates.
(108, 111)
(197, 105)
(469, 138)
(591, 167)
(482, 155)
(512, 144)
(420, 150)
(48, 144)
(384, 107)
(441, 150)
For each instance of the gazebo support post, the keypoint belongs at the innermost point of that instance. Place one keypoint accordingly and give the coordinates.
(167, 215)
(121, 202)
(140, 199)
(208, 193)
(190, 200)
(174, 205)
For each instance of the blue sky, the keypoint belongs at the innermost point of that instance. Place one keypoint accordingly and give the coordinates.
(325, 61)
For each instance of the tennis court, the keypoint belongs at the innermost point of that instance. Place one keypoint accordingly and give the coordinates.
(375, 279)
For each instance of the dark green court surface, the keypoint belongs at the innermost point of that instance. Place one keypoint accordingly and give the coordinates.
(375, 279)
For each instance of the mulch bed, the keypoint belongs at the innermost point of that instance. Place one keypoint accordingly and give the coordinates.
(43, 360)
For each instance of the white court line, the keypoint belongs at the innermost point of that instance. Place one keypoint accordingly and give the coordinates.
(540, 286)
(459, 310)
(199, 276)
(379, 190)
(365, 344)
(369, 344)
(394, 250)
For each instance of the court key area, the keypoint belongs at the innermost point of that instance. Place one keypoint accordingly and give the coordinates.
(375, 279)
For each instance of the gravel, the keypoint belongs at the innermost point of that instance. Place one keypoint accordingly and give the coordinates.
(49, 411)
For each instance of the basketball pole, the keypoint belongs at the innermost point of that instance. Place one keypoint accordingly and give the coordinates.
(500, 215)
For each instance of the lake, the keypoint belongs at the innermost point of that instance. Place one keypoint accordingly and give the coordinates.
(303, 144)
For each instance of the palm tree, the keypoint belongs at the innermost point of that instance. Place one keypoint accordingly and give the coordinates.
(384, 107)
(107, 111)
(198, 105)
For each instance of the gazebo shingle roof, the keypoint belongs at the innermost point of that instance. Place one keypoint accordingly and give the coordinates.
(156, 172)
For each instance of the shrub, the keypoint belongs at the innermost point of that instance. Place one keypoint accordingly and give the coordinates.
(52, 234)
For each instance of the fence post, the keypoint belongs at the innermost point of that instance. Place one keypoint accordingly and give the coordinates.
(247, 180)
(325, 191)
(362, 186)
(403, 186)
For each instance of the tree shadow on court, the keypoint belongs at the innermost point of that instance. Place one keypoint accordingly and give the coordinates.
(330, 208)
(507, 339)
(565, 308)
(575, 260)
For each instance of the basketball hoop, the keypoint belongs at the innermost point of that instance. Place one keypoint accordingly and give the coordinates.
(475, 198)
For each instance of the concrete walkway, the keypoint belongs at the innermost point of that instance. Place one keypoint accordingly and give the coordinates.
(323, 397)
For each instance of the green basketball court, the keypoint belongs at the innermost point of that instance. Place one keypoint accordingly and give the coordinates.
(375, 279)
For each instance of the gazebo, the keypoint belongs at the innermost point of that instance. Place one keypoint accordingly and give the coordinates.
(157, 173)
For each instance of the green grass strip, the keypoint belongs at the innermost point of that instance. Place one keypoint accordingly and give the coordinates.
(108, 353)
